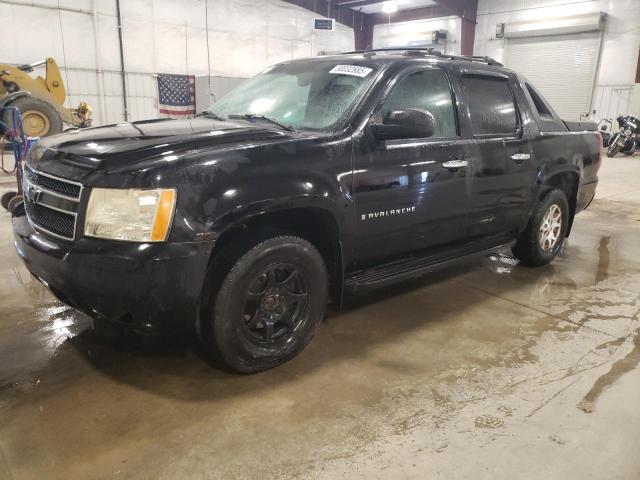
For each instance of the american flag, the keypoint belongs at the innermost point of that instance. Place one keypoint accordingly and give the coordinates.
(177, 95)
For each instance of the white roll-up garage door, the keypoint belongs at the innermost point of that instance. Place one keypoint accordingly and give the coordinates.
(562, 67)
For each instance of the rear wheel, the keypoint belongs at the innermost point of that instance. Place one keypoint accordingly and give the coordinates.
(39, 118)
(542, 240)
(268, 305)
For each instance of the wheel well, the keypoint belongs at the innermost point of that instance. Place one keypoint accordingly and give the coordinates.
(568, 183)
(315, 225)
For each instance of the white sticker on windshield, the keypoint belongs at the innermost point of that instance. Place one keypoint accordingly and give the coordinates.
(353, 70)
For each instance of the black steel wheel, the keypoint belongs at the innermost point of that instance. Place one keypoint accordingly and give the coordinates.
(268, 304)
(275, 304)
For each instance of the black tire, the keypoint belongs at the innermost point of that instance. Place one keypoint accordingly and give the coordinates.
(6, 197)
(263, 314)
(528, 248)
(42, 111)
(14, 203)
(613, 148)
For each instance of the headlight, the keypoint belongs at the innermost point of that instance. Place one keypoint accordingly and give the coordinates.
(133, 215)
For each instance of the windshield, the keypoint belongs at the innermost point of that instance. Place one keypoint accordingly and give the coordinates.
(305, 95)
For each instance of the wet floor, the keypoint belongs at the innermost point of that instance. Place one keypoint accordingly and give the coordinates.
(489, 370)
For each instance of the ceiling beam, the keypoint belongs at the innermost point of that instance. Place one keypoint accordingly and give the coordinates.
(359, 3)
(360, 22)
(465, 9)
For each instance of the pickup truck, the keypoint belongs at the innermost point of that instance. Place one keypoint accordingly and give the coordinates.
(315, 179)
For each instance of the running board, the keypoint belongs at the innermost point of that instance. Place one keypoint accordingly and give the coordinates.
(416, 266)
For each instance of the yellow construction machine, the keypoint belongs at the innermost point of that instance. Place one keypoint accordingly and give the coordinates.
(40, 100)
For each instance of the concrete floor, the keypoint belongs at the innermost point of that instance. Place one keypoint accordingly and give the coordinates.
(490, 370)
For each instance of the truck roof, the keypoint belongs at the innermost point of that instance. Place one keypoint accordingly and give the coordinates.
(399, 54)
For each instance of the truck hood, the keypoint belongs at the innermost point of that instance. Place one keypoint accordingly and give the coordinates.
(147, 137)
(139, 149)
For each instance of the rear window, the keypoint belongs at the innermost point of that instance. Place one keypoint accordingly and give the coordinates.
(539, 103)
(491, 105)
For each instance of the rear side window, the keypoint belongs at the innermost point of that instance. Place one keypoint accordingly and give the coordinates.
(491, 105)
(427, 90)
(538, 102)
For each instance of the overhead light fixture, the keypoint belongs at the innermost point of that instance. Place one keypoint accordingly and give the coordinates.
(390, 7)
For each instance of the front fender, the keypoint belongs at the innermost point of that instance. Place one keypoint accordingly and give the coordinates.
(10, 97)
(236, 217)
(204, 213)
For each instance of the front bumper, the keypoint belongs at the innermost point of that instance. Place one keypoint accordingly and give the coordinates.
(149, 287)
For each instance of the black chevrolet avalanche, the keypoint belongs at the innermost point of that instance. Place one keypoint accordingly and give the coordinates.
(316, 178)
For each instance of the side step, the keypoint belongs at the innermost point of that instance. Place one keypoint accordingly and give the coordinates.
(416, 266)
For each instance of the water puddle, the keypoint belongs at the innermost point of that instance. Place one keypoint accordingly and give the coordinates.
(618, 369)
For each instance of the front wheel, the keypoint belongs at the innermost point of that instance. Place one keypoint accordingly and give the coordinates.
(630, 147)
(614, 148)
(542, 240)
(269, 304)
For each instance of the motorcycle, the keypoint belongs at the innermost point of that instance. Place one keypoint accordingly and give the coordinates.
(627, 138)
(606, 135)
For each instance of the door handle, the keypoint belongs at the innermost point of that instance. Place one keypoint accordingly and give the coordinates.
(520, 157)
(455, 164)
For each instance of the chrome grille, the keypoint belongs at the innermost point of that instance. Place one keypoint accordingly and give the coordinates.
(51, 203)
(53, 184)
(52, 221)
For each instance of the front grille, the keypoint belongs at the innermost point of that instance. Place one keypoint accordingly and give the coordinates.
(53, 221)
(53, 184)
(51, 203)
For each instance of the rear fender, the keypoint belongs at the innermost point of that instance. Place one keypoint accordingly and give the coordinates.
(568, 179)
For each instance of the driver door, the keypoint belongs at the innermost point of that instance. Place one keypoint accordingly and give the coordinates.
(411, 193)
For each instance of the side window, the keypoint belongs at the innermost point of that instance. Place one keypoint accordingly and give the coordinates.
(427, 90)
(539, 103)
(490, 105)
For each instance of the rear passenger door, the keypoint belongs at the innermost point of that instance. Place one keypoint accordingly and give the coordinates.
(500, 168)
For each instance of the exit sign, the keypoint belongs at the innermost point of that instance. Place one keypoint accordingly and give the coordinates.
(324, 24)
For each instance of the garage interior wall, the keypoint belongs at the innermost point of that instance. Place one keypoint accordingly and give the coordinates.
(615, 90)
(572, 58)
(418, 33)
(159, 36)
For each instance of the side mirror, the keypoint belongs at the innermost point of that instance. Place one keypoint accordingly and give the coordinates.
(405, 123)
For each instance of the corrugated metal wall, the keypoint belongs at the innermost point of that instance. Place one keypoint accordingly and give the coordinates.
(562, 67)
(160, 36)
(609, 101)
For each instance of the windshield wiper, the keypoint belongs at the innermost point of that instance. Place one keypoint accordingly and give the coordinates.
(210, 115)
(251, 116)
